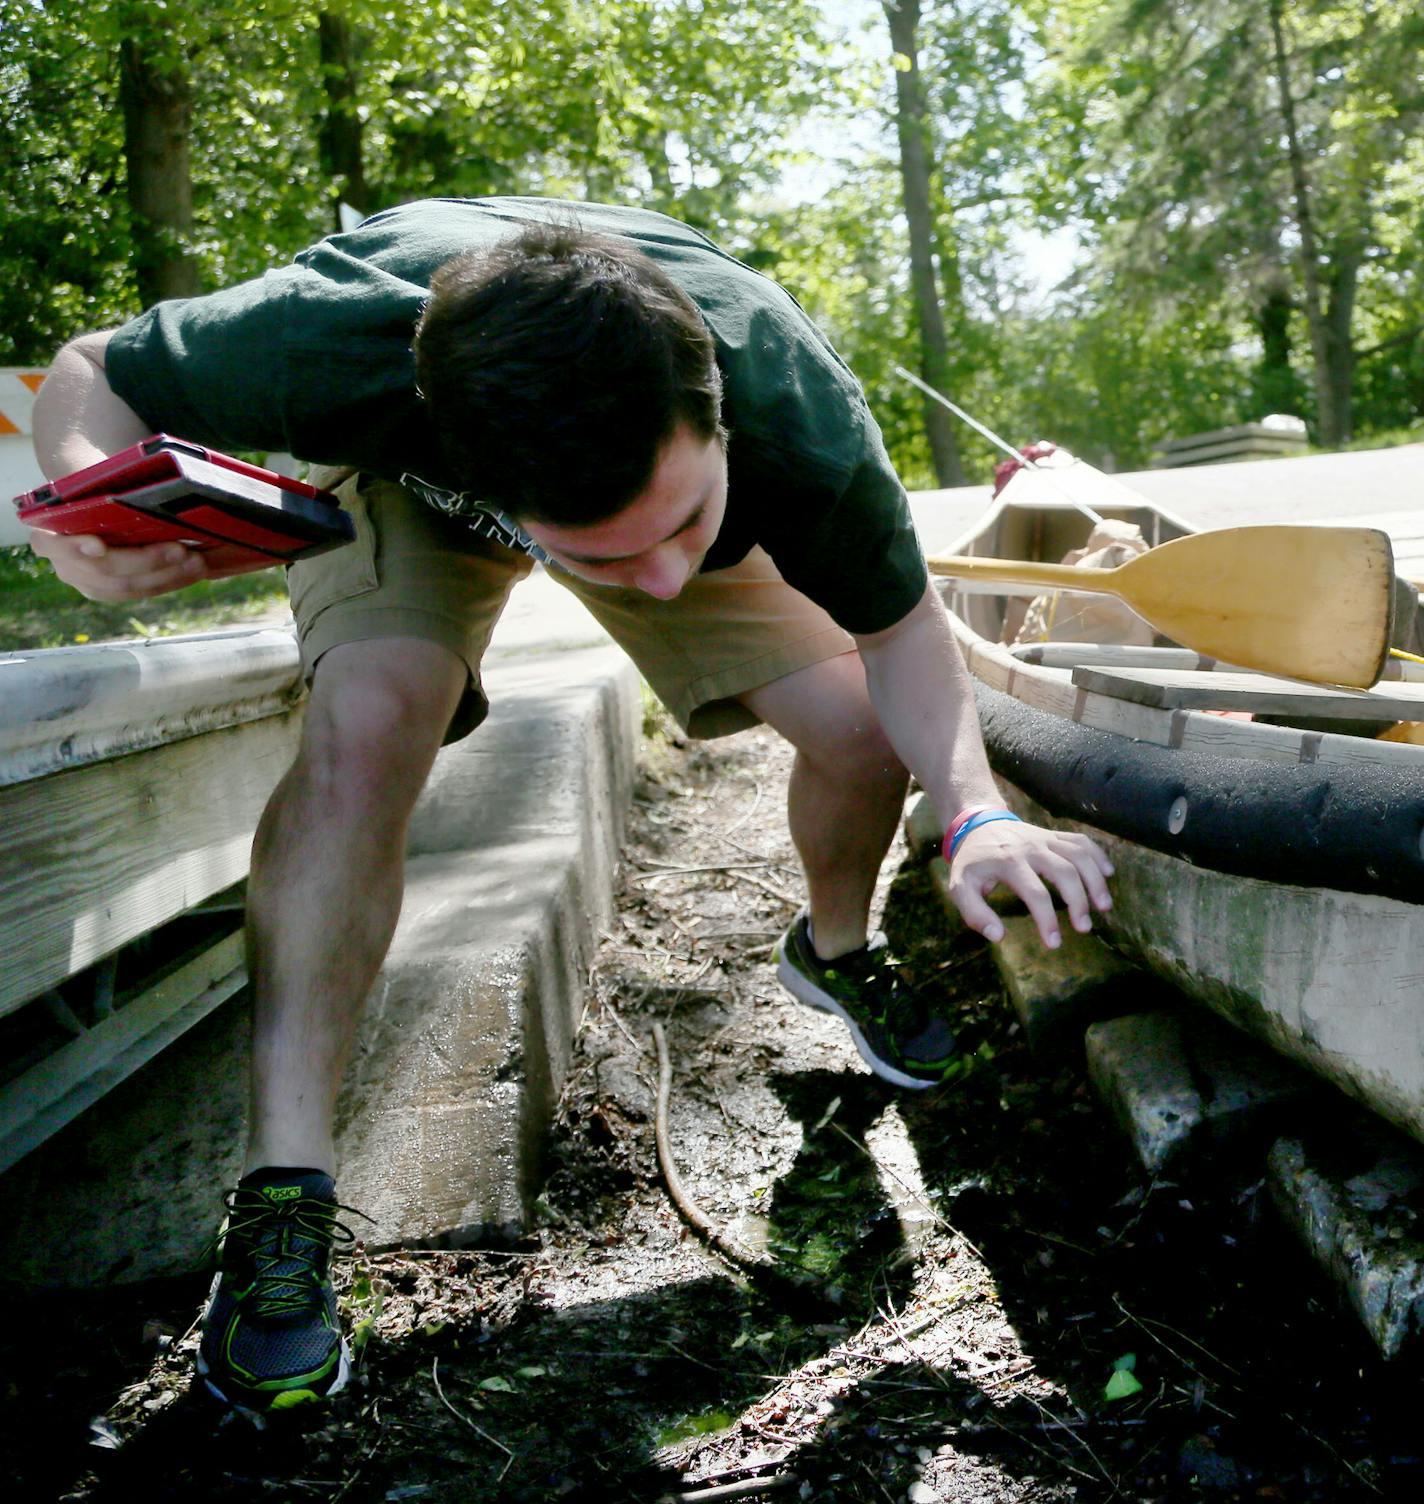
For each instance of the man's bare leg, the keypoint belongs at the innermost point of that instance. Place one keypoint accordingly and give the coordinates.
(846, 794)
(327, 875)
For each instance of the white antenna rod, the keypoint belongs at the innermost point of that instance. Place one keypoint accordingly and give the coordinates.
(989, 434)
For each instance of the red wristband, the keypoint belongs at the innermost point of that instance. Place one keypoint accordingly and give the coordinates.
(960, 820)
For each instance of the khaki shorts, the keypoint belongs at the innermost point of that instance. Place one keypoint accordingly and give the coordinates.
(414, 572)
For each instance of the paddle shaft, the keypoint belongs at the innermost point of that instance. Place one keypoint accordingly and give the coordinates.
(1028, 572)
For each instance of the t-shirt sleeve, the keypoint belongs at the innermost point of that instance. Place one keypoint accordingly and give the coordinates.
(209, 368)
(852, 547)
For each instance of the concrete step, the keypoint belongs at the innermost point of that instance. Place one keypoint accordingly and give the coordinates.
(1186, 1087)
(469, 1027)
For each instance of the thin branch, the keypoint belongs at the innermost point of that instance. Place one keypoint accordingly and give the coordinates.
(460, 1416)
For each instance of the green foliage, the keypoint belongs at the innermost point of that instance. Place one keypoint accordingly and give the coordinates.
(676, 103)
(1152, 127)
(1173, 150)
(37, 610)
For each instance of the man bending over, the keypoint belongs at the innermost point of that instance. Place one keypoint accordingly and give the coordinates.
(500, 381)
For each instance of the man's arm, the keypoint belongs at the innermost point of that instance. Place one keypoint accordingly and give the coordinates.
(78, 420)
(921, 692)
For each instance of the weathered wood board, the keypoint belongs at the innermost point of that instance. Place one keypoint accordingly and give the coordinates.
(1183, 689)
(94, 857)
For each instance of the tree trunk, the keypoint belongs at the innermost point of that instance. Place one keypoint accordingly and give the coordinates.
(1275, 388)
(156, 99)
(1333, 363)
(1339, 373)
(339, 139)
(904, 18)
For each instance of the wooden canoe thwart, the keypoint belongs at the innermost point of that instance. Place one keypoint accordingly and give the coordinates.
(1267, 827)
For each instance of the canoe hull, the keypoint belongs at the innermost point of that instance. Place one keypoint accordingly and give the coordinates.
(1272, 872)
(1333, 980)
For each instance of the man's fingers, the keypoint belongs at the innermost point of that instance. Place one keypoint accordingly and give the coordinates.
(103, 573)
(1039, 903)
(976, 913)
(152, 559)
(1064, 876)
(968, 888)
(1028, 859)
(139, 586)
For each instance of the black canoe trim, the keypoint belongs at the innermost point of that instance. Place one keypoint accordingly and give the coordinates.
(1356, 828)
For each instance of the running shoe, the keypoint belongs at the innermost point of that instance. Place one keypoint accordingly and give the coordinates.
(270, 1333)
(897, 1034)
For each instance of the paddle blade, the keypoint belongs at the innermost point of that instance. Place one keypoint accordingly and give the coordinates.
(1307, 602)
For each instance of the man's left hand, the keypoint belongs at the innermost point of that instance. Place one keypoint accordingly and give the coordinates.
(1031, 861)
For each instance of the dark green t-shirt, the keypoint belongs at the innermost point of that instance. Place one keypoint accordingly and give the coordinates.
(315, 359)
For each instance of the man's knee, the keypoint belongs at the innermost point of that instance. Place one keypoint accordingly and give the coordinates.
(379, 711)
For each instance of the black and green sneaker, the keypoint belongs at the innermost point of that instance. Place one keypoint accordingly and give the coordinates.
(897, 1035)
(270, 1334)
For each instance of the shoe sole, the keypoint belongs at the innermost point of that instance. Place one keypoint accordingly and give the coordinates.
(805, 991)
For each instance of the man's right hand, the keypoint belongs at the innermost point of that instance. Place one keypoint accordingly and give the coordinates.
(103, 573)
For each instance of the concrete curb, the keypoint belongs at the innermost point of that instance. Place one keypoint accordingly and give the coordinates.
(468, 1031)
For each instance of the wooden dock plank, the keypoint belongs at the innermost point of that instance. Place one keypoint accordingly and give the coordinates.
(99, 855)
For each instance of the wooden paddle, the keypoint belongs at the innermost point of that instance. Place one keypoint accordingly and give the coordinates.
(1305, 602)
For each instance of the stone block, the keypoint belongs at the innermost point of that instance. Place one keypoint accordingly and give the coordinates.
(1057, 993)
(1357, 1203)
(1182, 1085)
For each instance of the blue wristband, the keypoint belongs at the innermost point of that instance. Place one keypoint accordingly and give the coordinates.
(986, 818)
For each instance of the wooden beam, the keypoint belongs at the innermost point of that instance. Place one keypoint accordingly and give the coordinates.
(64, 707)
(1178, 689)
(53, 1093)
(94, 857)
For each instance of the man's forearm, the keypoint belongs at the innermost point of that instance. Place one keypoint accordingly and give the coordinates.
(921, 692)
(77, 418)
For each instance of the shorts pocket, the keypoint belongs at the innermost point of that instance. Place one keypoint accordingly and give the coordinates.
(340, 573)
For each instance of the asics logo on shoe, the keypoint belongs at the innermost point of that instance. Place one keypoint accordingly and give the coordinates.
(282, 1192)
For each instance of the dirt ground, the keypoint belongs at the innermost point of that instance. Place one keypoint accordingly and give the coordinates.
(977, 1297)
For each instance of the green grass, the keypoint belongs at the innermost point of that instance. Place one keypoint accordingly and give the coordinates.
(37, 610)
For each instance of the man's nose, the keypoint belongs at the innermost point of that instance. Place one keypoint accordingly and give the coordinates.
(662, 574)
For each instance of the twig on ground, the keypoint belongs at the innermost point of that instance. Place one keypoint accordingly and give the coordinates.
(766, 887)
(1082, 1442)
(622, 1027)
(349, 1482)
(742, 819)
(746, 1489)
(938, 1217)
(478, 1430)
(648, 877)
(1345, 1462)
(1146, 1323)
(733, 1251)
(758, 1266)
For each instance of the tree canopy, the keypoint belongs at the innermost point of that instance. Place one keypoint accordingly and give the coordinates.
(1245, 183)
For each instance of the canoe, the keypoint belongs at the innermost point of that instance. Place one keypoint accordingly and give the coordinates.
(1269, 845)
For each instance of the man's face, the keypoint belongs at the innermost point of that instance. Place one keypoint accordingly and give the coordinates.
(658, 541)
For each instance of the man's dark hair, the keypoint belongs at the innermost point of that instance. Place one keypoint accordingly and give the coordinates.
(556, 366)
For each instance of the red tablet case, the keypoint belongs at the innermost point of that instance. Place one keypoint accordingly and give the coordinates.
(239, 516)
